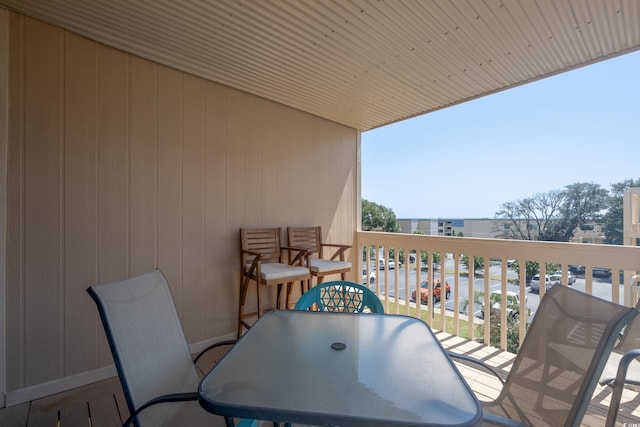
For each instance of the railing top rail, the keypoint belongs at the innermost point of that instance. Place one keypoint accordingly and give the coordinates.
(619, 257)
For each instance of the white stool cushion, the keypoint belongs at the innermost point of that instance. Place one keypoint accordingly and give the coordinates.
(324, 265)
(273, 271)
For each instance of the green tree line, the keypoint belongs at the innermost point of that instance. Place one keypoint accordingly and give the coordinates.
(551, 216)
(557, 214)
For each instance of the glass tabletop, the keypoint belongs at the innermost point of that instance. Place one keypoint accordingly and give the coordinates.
(340, 369)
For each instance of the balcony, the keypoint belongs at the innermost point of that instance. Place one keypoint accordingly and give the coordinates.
(103, 403)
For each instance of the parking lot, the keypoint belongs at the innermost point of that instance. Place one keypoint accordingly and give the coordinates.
(601, 286)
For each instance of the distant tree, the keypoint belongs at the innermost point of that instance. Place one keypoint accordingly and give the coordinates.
(533, 268)
(513, 332)
(478, 263)
(582, 203)
(527, 219)
(424, 256)
(552, 216)
(376, 217)
(612, 224)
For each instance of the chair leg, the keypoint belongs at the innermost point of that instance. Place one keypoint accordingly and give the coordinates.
(279, 295)
(244, 286)
(303, 288)
(287, 298)
(258, 299)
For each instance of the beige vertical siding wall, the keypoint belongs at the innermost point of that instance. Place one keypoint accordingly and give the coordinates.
(117, 165)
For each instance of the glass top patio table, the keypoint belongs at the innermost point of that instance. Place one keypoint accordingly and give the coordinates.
(340, 369)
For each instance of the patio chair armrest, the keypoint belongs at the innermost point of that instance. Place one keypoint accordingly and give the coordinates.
(294, 249)
(254, 263)
(212, 346)
(340, 250)
(336, 245)
(472, 360)
(256, 254)
(301, 258)
(618, 385)
(174, 397)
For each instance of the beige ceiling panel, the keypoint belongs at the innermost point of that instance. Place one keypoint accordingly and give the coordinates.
(363, 63)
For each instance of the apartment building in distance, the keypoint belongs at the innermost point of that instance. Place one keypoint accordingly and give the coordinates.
(486, 228)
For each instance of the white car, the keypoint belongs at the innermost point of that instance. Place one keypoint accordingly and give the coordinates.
(390, 264)
(513, 303)
(550, 281)
(571, 278)
(368, 278)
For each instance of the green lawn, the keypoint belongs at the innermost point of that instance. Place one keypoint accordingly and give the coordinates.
(436, 322)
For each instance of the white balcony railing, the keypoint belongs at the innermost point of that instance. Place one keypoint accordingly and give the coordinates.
(395, 285)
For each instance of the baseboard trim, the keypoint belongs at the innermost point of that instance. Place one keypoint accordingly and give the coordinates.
(41, 390)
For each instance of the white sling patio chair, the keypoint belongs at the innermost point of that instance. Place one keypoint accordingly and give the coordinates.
(557, 368)
(157, 373)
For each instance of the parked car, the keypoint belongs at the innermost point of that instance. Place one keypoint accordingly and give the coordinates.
(550, 281)
(577, 269)
(437, 292)
(513, 303)
(571, 278)
(368, 278)
(601, 272)
(390, 264)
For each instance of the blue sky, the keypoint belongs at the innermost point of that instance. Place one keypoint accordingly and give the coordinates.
(466, 161)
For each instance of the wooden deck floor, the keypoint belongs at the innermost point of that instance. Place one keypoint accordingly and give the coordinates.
(102, 404)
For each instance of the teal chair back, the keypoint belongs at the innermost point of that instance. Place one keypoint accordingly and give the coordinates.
(340, 296)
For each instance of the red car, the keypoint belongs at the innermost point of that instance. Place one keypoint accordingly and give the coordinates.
(424, 291)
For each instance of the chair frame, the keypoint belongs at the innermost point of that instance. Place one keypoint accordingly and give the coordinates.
(618, 385)
(259, 246)
(628, 350)
(310, 238)
(595, 366)
(313, 298)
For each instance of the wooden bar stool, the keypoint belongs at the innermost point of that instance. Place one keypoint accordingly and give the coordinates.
(263, 262)
(324, 258)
